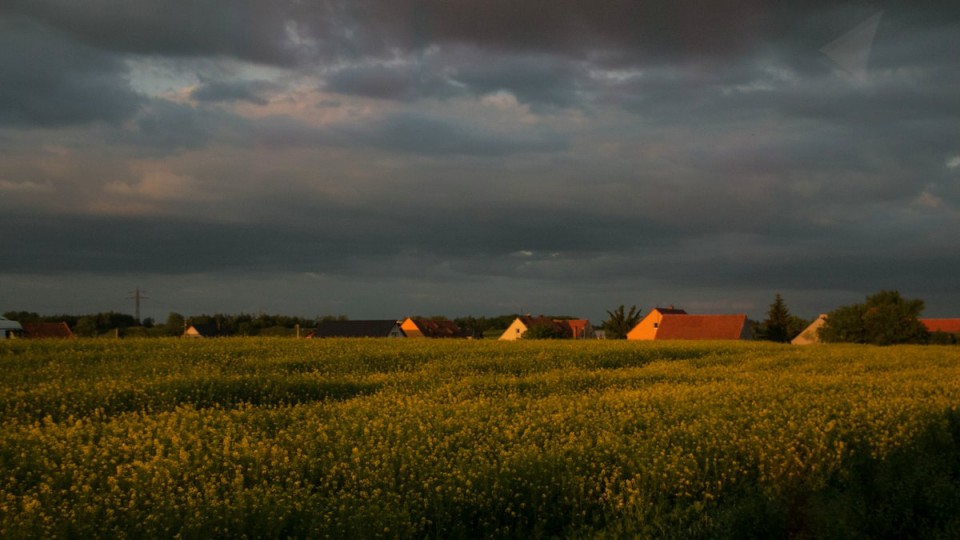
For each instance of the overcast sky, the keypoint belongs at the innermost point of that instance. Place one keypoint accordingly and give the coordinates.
(388, 158)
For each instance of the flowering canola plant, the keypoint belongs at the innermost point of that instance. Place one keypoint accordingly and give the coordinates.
(277, 438)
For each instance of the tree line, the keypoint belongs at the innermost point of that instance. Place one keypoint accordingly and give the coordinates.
(884, 318)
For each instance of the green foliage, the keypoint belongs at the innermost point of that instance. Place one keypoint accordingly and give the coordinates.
(175, 324)
(620, 322)
(885, 318)
(543, 331)
(86, 327)
(796, 326)
(943, 338)
(278, 438)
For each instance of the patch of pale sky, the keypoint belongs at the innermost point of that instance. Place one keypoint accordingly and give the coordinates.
(161, 77)
(154, 182)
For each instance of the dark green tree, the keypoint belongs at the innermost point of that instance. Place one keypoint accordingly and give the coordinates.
(543, 330)
(844, 325)
(86, 327)
(620, 321)
(886, 318)
(776, 327)
(796, 326)
(175, 324)
(891, 319)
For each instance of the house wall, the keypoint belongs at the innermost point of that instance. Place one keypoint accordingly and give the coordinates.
(514, 331)
(646, 329)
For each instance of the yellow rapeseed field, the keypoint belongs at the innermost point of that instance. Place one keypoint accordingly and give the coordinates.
(278, 438)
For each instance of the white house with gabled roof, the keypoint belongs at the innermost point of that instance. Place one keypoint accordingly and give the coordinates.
(9, 328)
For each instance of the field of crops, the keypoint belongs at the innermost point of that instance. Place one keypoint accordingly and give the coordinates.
(276, 438)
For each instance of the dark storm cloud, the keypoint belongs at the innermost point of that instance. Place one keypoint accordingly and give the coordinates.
(522, 242)
(260, 31)
(48, 81)
(689, 145)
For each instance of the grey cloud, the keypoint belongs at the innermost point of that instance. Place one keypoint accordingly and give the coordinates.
(428, 135)
(50, 82)
(216, 91)
(164, 127)
(535, 79)
(405, 82)
(539, 80)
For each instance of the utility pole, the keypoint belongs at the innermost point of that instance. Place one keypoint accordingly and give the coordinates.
(137, 295)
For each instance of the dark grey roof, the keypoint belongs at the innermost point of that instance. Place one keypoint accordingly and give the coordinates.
(355, 329)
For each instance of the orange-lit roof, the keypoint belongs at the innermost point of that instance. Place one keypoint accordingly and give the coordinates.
(701, 327)
(950, 326)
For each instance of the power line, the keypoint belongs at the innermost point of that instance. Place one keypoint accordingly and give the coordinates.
(137, 295)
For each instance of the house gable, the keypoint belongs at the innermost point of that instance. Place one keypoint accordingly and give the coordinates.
(646, 329)
(202, 331)
(810, 334)
(515, 330)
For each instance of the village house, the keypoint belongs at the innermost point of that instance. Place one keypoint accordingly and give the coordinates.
(430, 328)
(9, 329)
(647, 328)
(568, 328)
(47, 330)
(675, 324)
(202, 331)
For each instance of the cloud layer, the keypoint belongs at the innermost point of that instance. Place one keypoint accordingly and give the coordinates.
(477, 157)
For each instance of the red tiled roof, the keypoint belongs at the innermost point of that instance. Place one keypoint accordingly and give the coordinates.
(950, 326)
(46, 330)
(701, 327)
